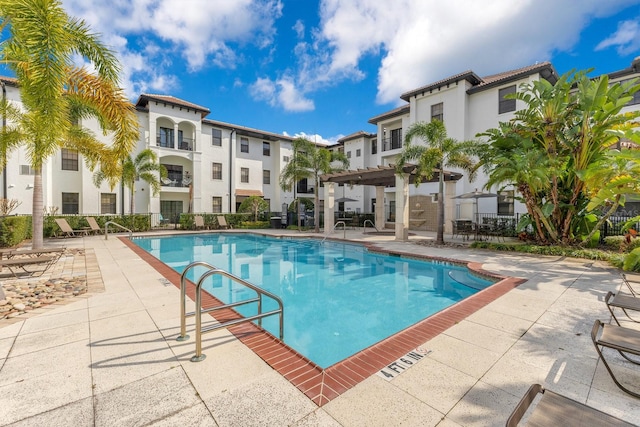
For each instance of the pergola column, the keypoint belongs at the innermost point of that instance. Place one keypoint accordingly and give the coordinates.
(329, 201)
(402, 207)
(449, 205)
(380, 208)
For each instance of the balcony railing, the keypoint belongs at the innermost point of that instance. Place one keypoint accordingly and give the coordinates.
(176, 181)
(183, 144)
(391, 144)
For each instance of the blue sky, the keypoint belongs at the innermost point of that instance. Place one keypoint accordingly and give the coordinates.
(322, 68)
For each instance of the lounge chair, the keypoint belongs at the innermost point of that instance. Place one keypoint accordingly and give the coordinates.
(66, 229)
(198, 222)
(627, 282)
(34, 253)
(625, 302)
(16, 264)
(556, 410)
(625, 341)
(94, 227)
(222, 222)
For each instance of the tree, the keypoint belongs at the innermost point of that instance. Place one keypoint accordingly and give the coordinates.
(309, 162)
(144, 166)
(567, 130)
(254, 205)
(438, 152)
(42, 45)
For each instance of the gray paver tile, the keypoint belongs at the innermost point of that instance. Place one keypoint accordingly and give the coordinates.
(447, 350)
(79, 413)
(484, 405)
(54, 320)
(318, 418)
(269, 400)
(482, 336)
(36, 341)
(163, 394)
(376, 402)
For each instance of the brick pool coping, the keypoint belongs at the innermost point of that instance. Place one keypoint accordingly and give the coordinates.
(323, 385)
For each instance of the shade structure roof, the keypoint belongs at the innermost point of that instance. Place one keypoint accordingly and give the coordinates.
(383, 176)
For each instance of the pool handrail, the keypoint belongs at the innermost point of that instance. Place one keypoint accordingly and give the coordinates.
(344, 228)
(199, 311)
(364, 226)
(106, 229)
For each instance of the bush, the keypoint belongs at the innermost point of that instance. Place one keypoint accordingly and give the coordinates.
(14, 229)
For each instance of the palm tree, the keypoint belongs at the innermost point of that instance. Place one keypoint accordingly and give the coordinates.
(309, 162)
(144, 166)
(42, 45)
(567, 129)
(439, 152)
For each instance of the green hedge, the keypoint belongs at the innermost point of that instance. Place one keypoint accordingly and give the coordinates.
(14, 229)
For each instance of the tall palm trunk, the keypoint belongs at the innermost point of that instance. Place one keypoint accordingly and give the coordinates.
(37, 220)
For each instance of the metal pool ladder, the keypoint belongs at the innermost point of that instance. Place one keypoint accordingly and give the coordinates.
(344, 229)
(364, 228)
(199, 311)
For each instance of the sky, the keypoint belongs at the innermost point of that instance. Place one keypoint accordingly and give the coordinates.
(322, 68)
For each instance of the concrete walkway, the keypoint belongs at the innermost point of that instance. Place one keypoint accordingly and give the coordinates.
(110, 358)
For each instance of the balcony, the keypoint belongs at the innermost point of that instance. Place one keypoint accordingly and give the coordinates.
(391, 144)
(176, 181)
(167, 141)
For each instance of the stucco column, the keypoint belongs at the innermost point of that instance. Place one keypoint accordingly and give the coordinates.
(449, 205)
(329, 200)
(402, 207)
(380, 208)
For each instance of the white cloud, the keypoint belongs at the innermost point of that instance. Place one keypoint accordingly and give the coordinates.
(626, 39)
(316, 138)
(281, 92)
(204, 33)
(422, 41)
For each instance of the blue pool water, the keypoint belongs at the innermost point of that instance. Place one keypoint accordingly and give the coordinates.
(338, 298)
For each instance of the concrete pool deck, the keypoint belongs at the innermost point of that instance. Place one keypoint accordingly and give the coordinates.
(110, 357)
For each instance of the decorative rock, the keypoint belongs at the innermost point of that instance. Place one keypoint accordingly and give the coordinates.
(19, 306)
(3, 302)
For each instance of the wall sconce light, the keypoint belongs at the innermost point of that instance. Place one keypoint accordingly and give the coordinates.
(29, 186)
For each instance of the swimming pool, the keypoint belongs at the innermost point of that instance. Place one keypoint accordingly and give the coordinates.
(339, 298)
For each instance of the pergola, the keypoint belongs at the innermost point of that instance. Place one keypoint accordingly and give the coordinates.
(380, 177)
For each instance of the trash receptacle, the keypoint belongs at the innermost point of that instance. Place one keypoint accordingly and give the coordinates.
(275, 222)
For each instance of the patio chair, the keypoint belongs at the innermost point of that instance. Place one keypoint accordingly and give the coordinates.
(624, 302)
(66, 229)
(554, 409)
(19, 265)
(94, 228)
(34, 253)
(222, 222)
(626, 281)
(198, 222)
(625, 341)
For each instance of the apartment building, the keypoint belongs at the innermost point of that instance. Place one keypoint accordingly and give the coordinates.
(213, 166)
(467, 104)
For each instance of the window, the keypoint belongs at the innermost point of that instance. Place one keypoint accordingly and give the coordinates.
(358, 152)
(505, 203)
(216, 170)
(348, 154)
(374, 146)
(171, 210)
(437, 112)
(506, 105)
(165, 138)
(174, 174)
(285, 159)
(70, 203)
(266, 149)
(69, 160)
(107, 203)
(244, 145)
(216, 137)
(266, 176)
(396, 138)
(27, 170)
(216, 206)
(244, 175)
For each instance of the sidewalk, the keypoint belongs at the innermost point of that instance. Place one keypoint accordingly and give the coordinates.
(109, 358)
